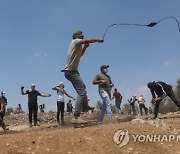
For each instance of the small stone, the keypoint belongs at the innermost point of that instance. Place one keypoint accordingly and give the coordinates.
(7, 144)
(87, 138)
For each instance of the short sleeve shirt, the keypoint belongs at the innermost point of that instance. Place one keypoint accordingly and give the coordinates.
(117, 96)
(106, 86)
(32, 96)
(74, 54)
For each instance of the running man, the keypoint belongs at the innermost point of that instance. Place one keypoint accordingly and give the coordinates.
(118, 99)
(104, 86)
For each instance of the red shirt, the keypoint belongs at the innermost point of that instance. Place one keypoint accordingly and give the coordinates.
(117, 96)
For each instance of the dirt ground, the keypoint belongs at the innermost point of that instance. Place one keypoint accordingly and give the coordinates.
(50, 139)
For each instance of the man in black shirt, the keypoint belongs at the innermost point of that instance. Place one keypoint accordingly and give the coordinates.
(162, 90)
(32, 102)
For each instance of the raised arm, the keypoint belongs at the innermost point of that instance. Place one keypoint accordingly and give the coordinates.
(22, 91)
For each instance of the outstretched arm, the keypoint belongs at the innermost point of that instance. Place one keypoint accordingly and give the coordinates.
(68, 95)
(86, 43)
(45, 95)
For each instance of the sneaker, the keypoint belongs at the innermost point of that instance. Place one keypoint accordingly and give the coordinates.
(78, 121)
(154, 117)
(36, 124)
(58, 124)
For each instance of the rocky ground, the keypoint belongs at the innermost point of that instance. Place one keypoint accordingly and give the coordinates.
(106, 137)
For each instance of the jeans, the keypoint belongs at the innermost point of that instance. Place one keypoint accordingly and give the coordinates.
(75, 78)
(118, 107)
(106, 108)
(132, 109)
(170, 93)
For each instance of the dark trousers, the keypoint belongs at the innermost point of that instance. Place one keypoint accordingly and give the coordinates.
(132, 108)
(60, 109)
(142, 106)
(2, 124)
(171, 94)
(173, 97)
(33, 109)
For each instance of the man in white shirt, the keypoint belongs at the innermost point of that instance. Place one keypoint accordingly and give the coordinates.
(141, 102)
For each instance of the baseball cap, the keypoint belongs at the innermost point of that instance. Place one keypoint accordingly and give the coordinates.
(104, 67)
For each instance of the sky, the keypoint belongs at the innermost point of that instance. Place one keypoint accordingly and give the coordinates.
(35, 36)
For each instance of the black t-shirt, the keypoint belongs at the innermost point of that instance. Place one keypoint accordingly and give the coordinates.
(32, 96)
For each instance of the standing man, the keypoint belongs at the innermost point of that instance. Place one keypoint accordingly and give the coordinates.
(60, 101)
(132, 104)
(141, 102)
(3, 103)
(104, 86)
(118, 99)
(159, 91)
(76, 50)
(32, 102)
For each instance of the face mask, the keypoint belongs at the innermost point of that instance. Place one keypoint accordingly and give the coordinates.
(105, 70)
(32, 88)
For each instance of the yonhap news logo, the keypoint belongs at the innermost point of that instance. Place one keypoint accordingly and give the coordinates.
(122, 138)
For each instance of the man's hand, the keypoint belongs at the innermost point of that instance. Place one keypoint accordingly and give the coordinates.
(103, 82)
(49, 95)
(22, 88)
(156, 99)
(111, 85)
(86, 45)
(100, 40)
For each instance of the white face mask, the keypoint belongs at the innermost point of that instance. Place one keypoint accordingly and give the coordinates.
(105, 70)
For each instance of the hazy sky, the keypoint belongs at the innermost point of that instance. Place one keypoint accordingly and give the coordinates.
(35, 36)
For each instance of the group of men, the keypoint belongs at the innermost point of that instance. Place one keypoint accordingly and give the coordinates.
(76, 50)
(141, 101)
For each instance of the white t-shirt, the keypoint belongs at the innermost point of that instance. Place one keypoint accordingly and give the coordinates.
(74, 54)
(60, 95)
(141, 100)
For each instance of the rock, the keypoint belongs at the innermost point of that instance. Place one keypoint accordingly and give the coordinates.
(138, 121)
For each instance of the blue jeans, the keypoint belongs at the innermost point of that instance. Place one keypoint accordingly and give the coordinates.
(105, 106)
(75, 78)
(118, 107)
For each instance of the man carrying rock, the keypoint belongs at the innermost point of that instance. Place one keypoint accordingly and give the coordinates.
(159, 91)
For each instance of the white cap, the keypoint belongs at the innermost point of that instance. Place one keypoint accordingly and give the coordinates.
(61, 84)
(32, 85)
